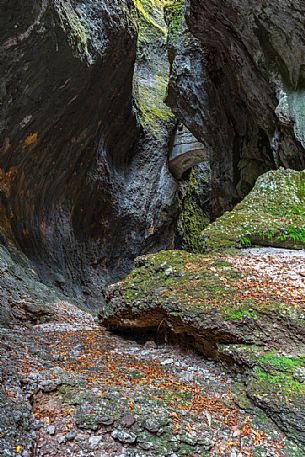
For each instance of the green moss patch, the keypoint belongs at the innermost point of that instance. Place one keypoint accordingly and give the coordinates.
(191, 219)
(274, 381)
(175, 17)
(271, 372)
(76, 31)
(280, 375)
(152, 68)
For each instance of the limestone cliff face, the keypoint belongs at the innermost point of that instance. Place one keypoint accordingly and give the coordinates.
(238, 84)
(83, 189)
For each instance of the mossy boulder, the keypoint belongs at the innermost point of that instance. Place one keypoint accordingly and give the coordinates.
(204, 302)
(202, 298)
(272, 214)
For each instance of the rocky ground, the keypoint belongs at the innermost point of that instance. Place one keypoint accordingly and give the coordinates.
(71, 388)
(245, 310)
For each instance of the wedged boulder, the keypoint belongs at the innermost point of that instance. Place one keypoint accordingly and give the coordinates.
(216, 304)
(273, 214)
(186, 152)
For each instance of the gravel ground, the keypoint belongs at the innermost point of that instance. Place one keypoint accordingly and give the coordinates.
(274, 252)
(85, 392)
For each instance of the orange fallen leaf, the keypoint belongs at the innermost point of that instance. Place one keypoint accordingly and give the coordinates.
(30, 139)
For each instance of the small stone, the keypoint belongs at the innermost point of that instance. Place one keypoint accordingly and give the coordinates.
(187, 377)
(51, 430)
(209, 417)
(48, 386)
(152, 425)
(299, 374)
(61, 439)
(146, 445)
(168, 271)
(190, 439)
(71, 435)
(96, 391)
(167, 361)
(128, 420)
(105, 420)
(124, 437)
(150, 345)
(204, 440)
(95, 440)
(38, 425)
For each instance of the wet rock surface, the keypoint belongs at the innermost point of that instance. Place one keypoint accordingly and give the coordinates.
(24, 298)
(186, 152)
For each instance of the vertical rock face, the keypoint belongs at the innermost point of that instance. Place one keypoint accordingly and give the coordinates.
(82, 192)
(151, 187)
(237, 83)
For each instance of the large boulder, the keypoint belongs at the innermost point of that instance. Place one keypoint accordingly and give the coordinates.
(271, 215)
(235, 309)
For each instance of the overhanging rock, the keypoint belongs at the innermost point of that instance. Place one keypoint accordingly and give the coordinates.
(187, 151)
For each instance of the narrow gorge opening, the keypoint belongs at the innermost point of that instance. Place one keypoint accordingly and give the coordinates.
(152, 184)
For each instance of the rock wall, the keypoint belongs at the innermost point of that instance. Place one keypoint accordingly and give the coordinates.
(82, 189)
(237, 83)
